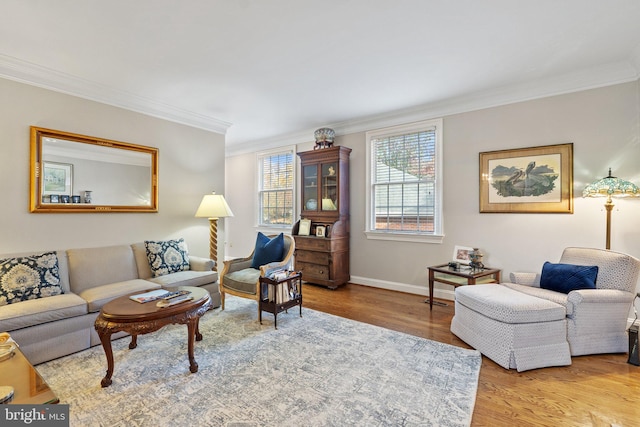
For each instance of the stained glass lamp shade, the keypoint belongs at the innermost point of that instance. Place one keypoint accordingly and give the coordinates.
(609, 187)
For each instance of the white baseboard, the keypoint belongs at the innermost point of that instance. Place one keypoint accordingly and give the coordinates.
(416, 289)
(403, 287)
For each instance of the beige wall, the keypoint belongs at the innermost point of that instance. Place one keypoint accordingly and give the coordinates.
(602, 123)
(191, 165)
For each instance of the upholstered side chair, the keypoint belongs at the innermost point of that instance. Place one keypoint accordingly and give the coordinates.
(596, 318)
(539, 320)
(238, 278)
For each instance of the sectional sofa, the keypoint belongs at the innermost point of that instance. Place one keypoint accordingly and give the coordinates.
(60, 322)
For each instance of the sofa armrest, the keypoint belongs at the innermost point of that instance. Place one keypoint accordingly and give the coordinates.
(600, 296)
(527, 279)
(197, 263)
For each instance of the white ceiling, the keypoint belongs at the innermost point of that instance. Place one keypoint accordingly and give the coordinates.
(270, 70)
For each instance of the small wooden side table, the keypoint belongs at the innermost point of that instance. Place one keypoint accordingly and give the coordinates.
(281, 295)
(463, 276)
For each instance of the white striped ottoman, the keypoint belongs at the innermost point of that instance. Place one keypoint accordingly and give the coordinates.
(515, 330)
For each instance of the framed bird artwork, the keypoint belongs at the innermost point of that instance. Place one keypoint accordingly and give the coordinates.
(527, 180)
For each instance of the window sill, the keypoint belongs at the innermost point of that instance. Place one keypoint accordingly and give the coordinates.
(272, 228)
(405, 237)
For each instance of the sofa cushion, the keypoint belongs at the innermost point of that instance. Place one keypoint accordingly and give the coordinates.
(186, 278)
(553, 296)
(142, 261)
(100, 295)
(243, 280)
(568, 277)
(507, 305)
(167, 256)
(91, 267)
(29, 277)
(267, 250)
(39, 311)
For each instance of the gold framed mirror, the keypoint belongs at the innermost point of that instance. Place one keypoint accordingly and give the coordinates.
(79, 173)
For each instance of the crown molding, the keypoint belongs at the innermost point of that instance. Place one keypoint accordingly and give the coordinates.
(36, 75)
(606, 75)
(602, 76)
(265, 144)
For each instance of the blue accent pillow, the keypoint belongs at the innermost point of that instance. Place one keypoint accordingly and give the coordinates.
(167, 256)
(29, 277)
(568, 277)
(267, 250)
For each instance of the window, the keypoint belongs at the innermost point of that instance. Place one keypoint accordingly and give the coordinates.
(275, 189)
(404, 200)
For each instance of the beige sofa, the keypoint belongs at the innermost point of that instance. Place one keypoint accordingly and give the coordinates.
(55, 326)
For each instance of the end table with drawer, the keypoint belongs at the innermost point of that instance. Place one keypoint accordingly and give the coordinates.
(462, 276)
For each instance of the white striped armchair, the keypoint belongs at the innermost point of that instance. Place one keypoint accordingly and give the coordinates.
(596, 318)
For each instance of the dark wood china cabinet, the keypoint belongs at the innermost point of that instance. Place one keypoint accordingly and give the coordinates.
(322, 252)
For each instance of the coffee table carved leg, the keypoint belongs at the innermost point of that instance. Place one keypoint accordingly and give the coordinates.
(192, 326)
(105, 339)
(198, 334)
(134, 342)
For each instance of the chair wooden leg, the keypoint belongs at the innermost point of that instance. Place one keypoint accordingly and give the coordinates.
(222, 298)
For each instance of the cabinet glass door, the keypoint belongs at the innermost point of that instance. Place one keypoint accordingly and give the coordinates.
(329, 188)
(310, 188)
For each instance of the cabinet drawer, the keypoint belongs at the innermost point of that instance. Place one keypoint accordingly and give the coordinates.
(311, 271)
(314, 244)
(313, 257)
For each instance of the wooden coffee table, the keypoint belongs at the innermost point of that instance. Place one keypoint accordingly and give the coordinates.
(124, 314)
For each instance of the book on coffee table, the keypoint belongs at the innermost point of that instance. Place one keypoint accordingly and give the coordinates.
(173, 301)
(150, 296)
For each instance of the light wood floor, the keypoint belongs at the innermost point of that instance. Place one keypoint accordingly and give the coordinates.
(600, 390)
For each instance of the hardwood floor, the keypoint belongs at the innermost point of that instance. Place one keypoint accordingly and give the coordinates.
(599, 390)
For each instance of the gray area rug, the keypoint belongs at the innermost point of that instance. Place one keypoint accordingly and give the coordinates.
(318, 370)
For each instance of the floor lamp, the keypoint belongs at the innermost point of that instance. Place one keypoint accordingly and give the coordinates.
(609, 187)
(213, 206)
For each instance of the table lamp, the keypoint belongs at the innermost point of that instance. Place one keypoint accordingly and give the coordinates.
(609, 187)
(213, 206)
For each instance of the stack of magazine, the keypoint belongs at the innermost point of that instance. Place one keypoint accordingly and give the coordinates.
(281, 292)
(165, 297)
(150, 296)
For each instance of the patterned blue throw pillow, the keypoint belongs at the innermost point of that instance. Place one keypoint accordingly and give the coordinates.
(168, 256)
(29, 277)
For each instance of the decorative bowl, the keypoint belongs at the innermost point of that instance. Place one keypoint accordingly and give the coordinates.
(324, 135)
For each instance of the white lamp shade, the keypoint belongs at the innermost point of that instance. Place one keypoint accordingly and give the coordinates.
(213, 206)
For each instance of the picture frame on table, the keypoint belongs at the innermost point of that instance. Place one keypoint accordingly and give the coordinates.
(57, 179)
(461, 254)
(527, 180)
(320, 231)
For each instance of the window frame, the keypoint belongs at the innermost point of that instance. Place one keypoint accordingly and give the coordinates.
(259, 190)
(438, 234)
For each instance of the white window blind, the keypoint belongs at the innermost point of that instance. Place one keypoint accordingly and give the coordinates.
(404, 179)
(275, 189)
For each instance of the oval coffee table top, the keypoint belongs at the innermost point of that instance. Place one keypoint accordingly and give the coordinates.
(124, 309)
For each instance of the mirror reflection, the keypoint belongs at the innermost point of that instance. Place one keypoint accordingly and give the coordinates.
(77, 173)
